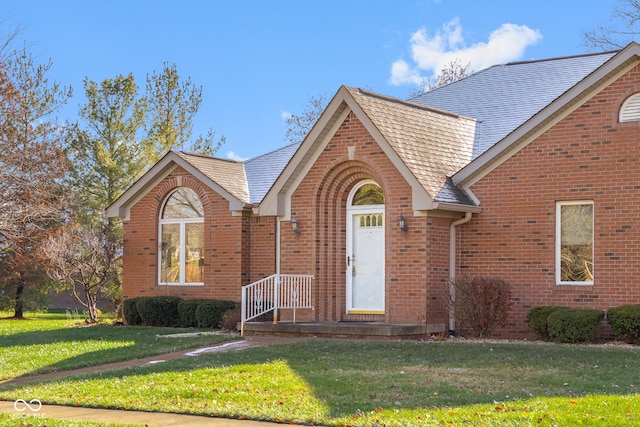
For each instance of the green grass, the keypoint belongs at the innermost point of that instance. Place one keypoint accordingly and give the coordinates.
(371, 383)
(51, 342)
(18, 420)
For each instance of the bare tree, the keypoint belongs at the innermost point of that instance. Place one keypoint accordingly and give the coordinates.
(299, 125)
(32, 164)
(624, 27)
(87, 257)
(451, 72)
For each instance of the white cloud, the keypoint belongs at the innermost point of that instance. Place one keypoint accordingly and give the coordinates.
(431, 53)
(285, 115)
(233, 156)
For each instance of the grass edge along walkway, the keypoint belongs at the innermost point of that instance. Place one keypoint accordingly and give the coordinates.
(81, 415)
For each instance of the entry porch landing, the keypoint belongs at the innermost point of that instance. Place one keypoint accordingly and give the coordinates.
(344, 329)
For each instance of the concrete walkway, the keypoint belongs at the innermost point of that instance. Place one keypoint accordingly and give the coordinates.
(134, 417)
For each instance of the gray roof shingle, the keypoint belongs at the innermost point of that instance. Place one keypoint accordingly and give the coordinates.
(262, 171)
(503, 97)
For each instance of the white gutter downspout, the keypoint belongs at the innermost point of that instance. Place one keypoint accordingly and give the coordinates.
(452, 269)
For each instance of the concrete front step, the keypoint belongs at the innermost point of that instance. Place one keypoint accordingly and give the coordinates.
(343, 329)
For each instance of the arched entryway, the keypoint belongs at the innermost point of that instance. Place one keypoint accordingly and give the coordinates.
(365, 284)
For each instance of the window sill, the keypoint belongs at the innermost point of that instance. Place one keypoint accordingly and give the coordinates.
(580, 284)
(180, 284)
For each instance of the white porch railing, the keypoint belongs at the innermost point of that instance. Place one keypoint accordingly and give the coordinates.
(273, 293)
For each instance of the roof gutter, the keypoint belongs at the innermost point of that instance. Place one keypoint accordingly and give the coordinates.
(452, 269)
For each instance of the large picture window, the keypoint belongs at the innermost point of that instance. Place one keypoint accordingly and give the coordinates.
(574, 243)
(182, 239)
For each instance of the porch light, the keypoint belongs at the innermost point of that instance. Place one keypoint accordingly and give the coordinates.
(294, 226)
(402, 223)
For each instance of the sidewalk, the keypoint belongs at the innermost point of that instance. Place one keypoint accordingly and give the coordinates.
(134, 417)
(130, 417)
(248, 342)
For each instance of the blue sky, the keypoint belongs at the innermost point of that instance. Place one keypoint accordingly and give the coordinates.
(259, 60)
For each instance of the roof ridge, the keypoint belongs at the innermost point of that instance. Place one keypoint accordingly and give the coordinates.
(207, 157)
(408, 103)
(558, 58)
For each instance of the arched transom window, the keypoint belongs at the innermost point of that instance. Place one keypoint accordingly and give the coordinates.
(368, 194)
(182, 239)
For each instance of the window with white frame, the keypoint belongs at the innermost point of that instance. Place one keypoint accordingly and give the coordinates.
(182, 239)
(574, 243)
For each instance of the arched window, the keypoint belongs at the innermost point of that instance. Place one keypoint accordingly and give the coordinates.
(182, 239)
(630, 110)
(368, 194)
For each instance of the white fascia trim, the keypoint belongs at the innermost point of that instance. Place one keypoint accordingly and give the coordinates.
(122, 206)
(275, 202)
(547, 118)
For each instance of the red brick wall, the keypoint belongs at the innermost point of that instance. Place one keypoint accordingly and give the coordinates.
(587, 156)
(260, 248)
(226, 267)
(416, 262)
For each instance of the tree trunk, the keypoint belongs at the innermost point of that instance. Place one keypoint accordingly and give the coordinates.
(92, 300)
(19, 307)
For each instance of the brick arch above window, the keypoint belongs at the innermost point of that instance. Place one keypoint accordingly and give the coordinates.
(630, 109)
(172, 183)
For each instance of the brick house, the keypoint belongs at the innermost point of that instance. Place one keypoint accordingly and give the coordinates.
(529, 171)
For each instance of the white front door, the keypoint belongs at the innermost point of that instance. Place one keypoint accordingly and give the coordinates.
(365, 260)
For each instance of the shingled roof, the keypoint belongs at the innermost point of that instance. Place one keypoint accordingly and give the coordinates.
(228, 174)
(431, 138)
(433, 144)
(503, 97)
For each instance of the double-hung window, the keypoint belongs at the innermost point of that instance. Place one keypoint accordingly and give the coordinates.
(182, 239)
(574, 243)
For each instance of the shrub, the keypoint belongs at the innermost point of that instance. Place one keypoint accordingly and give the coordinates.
(537, 318)
(230, 320)
(481, 303)
(187, 312)
(159, 311)
(625, 322)
(209, 313)
(130, 312)
(574, 325)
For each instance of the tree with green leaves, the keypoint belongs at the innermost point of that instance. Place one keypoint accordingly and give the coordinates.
(173, 105)
(33, 199)
(121, 134)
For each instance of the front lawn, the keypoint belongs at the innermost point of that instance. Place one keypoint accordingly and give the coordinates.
(372, 383)
(51, 342)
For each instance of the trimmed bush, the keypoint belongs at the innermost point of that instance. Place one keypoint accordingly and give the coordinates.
(574, 325)
(537, 318)
(159, 311)
(130, 312)
(187, 312)
(209, 313)
(625, 322)
(481, 303)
